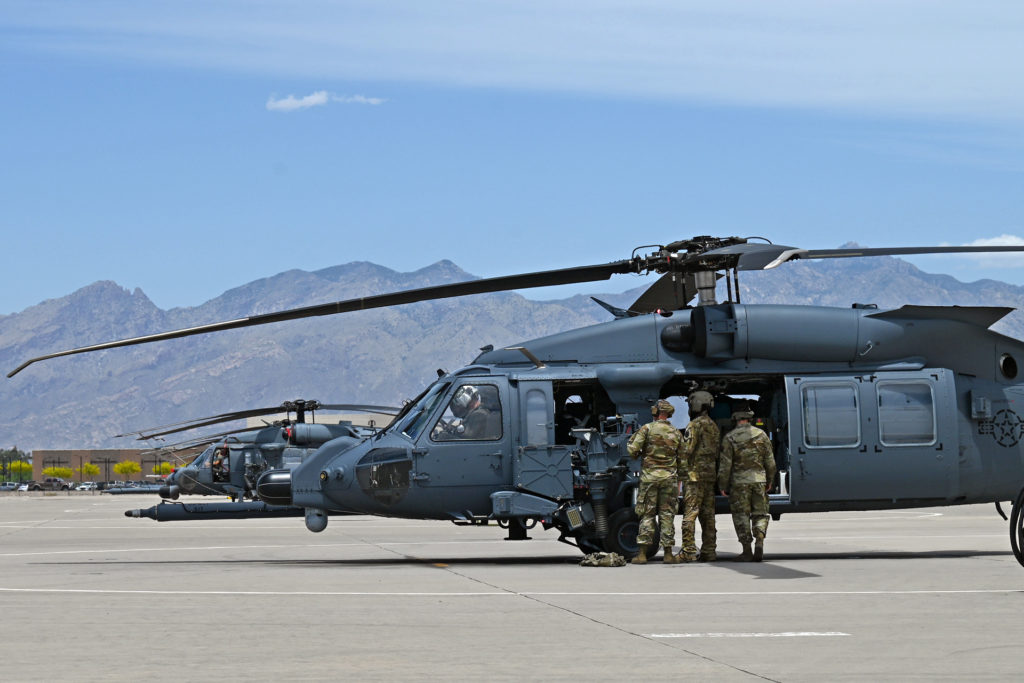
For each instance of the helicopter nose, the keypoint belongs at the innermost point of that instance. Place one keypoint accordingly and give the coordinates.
(188, 481)
(275, 487)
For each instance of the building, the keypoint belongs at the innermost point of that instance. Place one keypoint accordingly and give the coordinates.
(105, 459)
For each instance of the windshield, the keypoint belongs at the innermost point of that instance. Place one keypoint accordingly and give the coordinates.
(412, 424)
(203, 459)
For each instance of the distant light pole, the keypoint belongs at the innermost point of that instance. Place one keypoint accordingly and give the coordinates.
(106, 462)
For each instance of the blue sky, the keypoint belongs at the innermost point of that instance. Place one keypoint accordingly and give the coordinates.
(189, 147)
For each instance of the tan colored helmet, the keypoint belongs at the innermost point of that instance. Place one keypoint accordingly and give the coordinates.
(700, 401)
(743, 414)
(663, 406)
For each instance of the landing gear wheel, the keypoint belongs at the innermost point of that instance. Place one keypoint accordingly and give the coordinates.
(623, 527)
(517, 528)
(1017, 528)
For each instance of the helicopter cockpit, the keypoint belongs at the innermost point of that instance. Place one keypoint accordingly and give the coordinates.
(473, 414)
(221, 464)
(413, 417)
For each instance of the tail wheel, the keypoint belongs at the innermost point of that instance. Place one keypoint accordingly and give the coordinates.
(623, 527)
(1017, 528)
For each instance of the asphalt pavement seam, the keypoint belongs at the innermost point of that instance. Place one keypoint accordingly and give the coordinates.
(534, 597)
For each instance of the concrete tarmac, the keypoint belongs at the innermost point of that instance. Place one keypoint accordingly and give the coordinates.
(88, 594)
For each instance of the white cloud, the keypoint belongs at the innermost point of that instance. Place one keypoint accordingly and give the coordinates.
(318, 99)
(916, 57)
(292, 103)
(987, 260)
(1003, 240)
(358, 99)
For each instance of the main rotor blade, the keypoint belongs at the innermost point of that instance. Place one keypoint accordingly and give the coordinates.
(358, 408)
(204, 440)
(753, 256)
(200, 422)
(546, 278)
(176, 452)
(205, 422)
(902, 251)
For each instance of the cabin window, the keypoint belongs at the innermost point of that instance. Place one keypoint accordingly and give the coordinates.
(831, 416)
(537, 418)
(473, 414)
(906, 414)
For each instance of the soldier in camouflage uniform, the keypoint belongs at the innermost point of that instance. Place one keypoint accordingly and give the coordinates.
(660, 444)
(745, 473)
(700, 458)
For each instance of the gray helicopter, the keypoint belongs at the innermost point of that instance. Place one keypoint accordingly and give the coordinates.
(866, 408)
(232, 461)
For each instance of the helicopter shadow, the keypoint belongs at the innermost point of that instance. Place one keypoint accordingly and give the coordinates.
(769, 569)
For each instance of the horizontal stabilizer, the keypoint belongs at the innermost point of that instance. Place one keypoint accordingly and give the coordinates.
(982, 316)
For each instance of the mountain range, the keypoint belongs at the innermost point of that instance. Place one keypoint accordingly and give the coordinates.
(378, 356)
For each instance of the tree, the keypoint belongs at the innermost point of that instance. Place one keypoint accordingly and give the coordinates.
(20, 470)
(163, 468)
(62, 472)
(7, 457)
(88, 470)
(127, 468)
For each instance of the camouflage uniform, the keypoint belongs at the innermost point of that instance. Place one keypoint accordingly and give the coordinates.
(700, 461)
(746, 470)
(660, 444)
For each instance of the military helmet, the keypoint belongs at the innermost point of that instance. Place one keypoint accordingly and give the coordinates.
(700, 401)
(463, 399)
(743, 413)
(663, 406)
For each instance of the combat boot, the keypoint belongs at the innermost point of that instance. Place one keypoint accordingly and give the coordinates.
(758, 550)
(670, 558)
(745, 556)
(707, 557)
(641, 556)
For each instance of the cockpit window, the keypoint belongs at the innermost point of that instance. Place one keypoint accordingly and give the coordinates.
(417, 417)
(473, 414)
(203, 459)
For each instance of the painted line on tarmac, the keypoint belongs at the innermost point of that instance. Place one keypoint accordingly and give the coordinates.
(784, 634)
(417, 594)
(887, 516)
(247, 525)
(102, 591)
(884, 536)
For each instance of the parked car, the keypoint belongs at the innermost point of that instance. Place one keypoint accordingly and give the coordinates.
(86, 486)
(8, 486)
(51, 484)
(26, 486)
